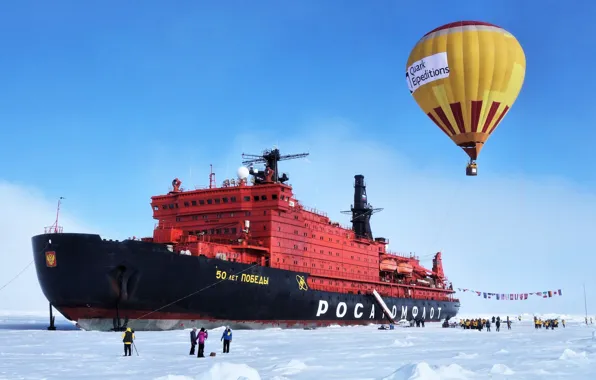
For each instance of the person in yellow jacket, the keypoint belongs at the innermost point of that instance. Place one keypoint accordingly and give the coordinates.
(128, 338)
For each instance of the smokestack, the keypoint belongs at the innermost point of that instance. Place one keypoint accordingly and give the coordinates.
(361, 211)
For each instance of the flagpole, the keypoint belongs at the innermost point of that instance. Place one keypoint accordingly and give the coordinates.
(585, 303)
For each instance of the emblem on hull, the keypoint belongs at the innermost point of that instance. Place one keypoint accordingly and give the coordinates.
(50, 259)
(301, 283)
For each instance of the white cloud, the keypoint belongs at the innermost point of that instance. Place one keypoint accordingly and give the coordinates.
(25, 213)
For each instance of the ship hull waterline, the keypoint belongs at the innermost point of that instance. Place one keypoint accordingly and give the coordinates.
(103, 285)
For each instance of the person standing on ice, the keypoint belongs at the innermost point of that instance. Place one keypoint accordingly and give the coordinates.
(498, 324)
(227, 339)
(193, 340)
(201, 339)
(128, 339)
(488, 325)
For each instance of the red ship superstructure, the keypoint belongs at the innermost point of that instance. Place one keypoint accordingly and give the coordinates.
(264, 223)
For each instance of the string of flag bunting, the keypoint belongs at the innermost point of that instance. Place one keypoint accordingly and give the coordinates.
(513, 296)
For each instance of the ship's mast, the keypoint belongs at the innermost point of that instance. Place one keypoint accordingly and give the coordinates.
(55, 228)
(211, 177)
(270, 158)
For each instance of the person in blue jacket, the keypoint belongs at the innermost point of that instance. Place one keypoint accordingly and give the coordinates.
(227, 338)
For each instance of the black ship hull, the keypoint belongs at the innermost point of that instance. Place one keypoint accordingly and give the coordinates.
(105, 285)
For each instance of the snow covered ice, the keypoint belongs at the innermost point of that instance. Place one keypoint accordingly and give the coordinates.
(29, 351)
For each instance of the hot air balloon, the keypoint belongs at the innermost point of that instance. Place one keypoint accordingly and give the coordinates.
(466, 76)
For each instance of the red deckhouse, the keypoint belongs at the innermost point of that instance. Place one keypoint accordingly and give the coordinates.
(262, 222)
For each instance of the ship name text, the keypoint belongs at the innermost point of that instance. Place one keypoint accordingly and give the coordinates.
(249, 278)
(358, 311)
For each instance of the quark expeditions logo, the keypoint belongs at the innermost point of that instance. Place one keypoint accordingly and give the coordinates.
(50, 259)
(426, 70)
(301, 283)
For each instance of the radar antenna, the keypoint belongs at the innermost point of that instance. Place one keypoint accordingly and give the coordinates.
(270, 158)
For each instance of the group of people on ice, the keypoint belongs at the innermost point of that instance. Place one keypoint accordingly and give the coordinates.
(481, 323)
(552, 323)
(200, 338)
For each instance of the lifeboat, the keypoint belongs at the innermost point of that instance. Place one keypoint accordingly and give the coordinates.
(404, 268)
(388, 265)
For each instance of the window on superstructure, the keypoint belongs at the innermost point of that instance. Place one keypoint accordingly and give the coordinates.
(155, 208)
(186, 204)
(217, 200)
(263, 197)
(171, 205)
(314, 236)
(295, 246)
(231, 215)
(295, 232)
(194, 203)
(330, 239)
(233, 230)
(264, 226)
(165, 207)
(195, 217)
(246, 213)
(201, 201)
(336, 253)
(321, 238)
(306, 248)
(338, 240)
(274, 196)
(247, 198)
(178, 218)
(255, 198)
(218, 231)
(212, 231)
(176, 205)
(305, 234)
(205, 216)
(232, 199)
(321, 251)
(218, 215)
(283, 189)
(209, 201)
(296, 217)
(224, 200)
(265, 212)
(226, 230)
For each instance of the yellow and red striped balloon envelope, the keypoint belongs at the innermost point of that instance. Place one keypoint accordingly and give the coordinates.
(466, 76)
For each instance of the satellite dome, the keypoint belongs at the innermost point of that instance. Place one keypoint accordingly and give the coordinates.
(243, 172)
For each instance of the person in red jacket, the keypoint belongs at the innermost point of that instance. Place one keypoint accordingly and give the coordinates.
(201, 337)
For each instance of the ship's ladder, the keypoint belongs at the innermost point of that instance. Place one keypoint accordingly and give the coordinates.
(383, 305)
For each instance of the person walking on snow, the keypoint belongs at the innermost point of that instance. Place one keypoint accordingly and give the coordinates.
(128, 338)
(227, 339)
(202, 336)
(193, 340)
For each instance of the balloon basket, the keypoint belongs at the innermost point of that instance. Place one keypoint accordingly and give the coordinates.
(472, 170)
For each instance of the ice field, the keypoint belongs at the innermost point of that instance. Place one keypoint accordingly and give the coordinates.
(29, 351)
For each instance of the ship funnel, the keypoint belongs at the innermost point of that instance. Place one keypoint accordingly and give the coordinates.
(361, 211)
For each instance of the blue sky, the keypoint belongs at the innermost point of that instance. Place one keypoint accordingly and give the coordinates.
(104, 103)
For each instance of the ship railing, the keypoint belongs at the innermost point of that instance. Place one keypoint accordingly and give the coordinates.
(401, 254)
(315, 211)
(52, 230)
